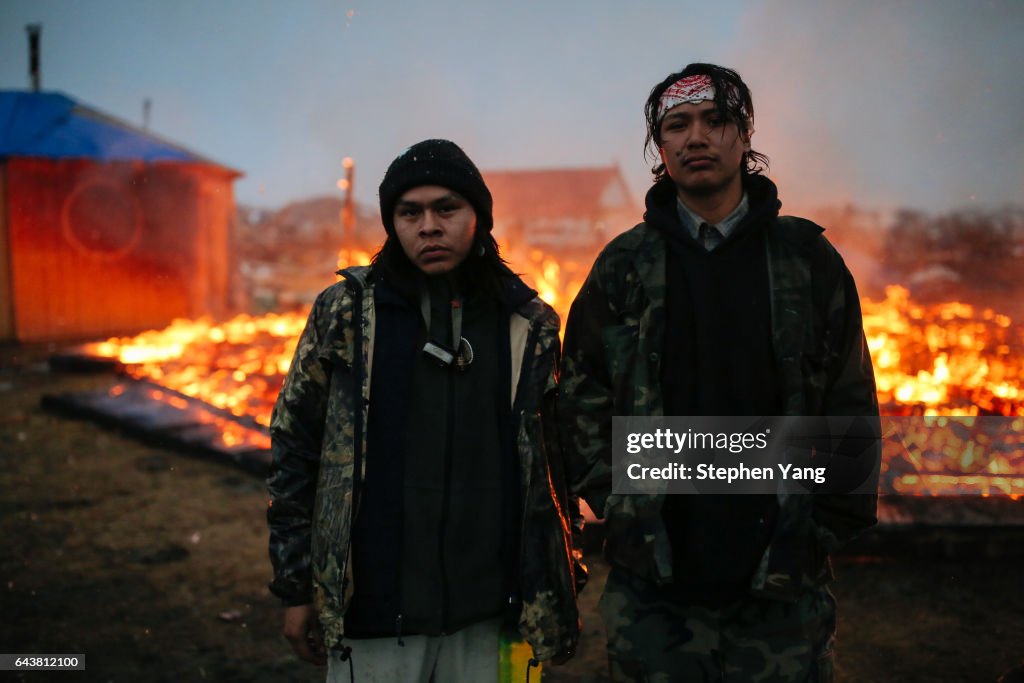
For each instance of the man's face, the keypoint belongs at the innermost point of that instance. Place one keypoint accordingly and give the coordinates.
(701, 150)
(435, 227)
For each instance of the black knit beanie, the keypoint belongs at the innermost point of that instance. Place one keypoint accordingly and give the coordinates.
(435, 162)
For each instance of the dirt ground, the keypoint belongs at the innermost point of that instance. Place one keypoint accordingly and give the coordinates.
(153, 565)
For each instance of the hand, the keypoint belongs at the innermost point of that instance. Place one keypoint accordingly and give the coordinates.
(580, 571)
(302, 630)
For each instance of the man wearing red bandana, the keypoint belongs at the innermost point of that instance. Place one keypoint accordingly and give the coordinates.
(714, 305)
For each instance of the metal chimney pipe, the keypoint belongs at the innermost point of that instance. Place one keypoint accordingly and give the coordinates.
(33, 54)
(348, 212)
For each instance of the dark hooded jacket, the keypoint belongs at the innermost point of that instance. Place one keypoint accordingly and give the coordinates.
(319, 432)
(613, 364)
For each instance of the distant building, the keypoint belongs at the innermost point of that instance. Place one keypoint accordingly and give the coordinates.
(561, 210)
(104, 227)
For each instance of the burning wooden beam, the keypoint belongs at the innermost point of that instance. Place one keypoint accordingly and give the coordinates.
(170, 419)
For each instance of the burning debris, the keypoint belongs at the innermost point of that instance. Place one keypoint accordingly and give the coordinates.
(237, 366)
(945, 359)
(168, 418)
(196, 384)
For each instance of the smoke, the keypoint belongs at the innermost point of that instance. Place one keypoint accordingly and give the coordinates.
(888, 104)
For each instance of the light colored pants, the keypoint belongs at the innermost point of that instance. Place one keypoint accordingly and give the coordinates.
(466, 656)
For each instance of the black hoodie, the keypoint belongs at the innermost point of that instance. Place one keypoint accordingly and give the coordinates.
(436, 536)
(718, 361)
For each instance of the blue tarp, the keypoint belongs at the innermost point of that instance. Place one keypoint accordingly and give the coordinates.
(51, 125)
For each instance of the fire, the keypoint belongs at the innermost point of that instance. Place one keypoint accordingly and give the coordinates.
(557, 284)
(947, 359)
(948, 455)
(352, 257)
(237, 366)
(557, 281)
(943, 359)
(930, 360)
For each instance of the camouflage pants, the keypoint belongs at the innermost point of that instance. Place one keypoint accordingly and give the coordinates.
(652, 639)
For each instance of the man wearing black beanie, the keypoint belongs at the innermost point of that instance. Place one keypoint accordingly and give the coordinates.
(414, 510)
(435, 162)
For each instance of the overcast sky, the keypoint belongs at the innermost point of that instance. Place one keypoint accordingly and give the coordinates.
(880, 103)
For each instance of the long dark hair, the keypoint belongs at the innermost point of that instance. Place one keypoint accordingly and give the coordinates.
(732, 100)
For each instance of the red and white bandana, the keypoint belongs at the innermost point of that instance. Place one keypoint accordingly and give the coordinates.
(690, 90)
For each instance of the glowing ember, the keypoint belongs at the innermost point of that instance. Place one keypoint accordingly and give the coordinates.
(945, 455)
(238, 365)
(942, 359)
(947, 359)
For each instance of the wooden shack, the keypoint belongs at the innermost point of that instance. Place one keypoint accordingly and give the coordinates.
(104, 228)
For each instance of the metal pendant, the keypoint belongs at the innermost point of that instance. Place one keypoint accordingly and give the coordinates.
(464, 356)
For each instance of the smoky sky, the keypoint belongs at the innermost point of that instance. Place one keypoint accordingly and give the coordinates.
(882, 104)
(889, 103)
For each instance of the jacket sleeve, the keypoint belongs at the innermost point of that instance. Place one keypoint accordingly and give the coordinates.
(296, 430)
(550, 616)
(586, 396)
(569, 502)
(850, 391)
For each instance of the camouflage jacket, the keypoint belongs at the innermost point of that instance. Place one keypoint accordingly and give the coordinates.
(319, 429)
(611, 366)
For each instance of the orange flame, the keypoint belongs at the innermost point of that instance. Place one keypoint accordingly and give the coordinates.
(237, 365)
(942, 359)
(353, 257)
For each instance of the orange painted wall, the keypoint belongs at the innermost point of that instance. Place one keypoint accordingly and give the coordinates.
(115, 248)
(6, 302)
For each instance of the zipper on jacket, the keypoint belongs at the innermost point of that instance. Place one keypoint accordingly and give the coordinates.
(398, 630)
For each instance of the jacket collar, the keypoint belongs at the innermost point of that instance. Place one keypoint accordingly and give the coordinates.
(514, 294)
(663, 215)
